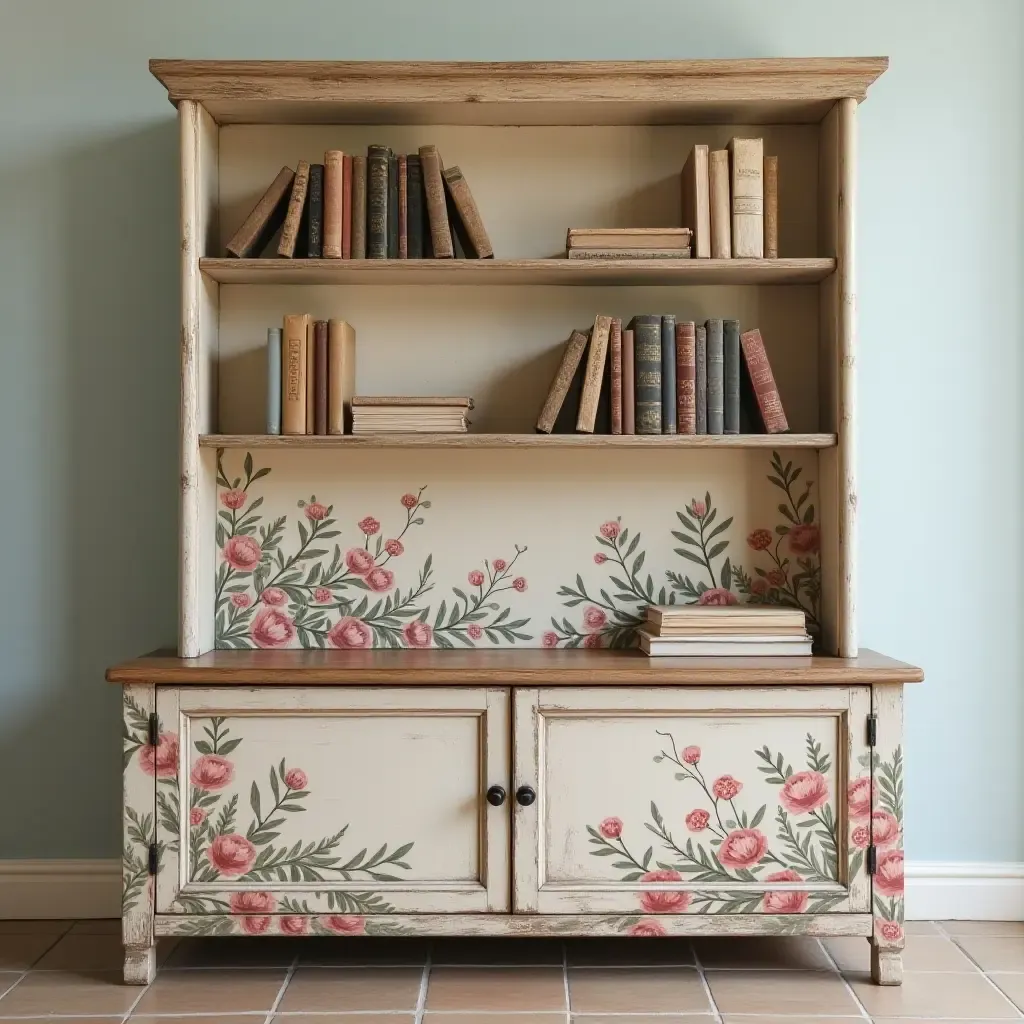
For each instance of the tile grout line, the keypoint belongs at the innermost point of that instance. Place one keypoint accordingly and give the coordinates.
(704, 981)
(984, 973)
(24, 974)
(289, 974)
(842, 977)
(421, 997)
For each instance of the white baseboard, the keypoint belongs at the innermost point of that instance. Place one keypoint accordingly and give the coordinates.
(936, 890)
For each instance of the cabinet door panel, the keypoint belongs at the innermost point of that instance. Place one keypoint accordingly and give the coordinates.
(344, 802)
(689, 801)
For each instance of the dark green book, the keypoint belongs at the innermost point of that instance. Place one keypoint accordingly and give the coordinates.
(377, 202)
(668, 374)
(716, 382)
(701, 383)
(647, 372)
(315, 213)
(731, 375)
(416, 210)
(392, 206)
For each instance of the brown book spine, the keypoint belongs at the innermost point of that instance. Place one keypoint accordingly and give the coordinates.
(310, 378)
(334, 193)
(292, 220)
(469, 213)
(571, 357)
(615, 356)
(437, 208)
(293, 375)
(359, 207)
(769, 402)
(771, 207)
(628, 385)
(721, 215)
(346, 207)
(594, 374)
(341, 376)
(696, 202)
(266, 217)
(403, 208)
(320, 377)
(686, 377)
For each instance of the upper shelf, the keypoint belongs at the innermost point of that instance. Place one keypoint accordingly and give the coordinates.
(518, 272)
(762, 91)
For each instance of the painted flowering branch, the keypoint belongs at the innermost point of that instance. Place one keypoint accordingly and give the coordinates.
(701, 547)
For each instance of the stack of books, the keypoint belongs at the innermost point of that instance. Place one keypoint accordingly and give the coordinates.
(727, 630)
(628, 243)
(384, 414)
(379, 206)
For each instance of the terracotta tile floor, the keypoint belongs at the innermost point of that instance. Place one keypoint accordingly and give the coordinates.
(956, 970)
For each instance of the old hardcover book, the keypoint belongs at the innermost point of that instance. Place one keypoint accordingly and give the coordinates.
(320, 377)
(628, 238)
(697, 201)
(731, 375)
(469, 214)
(771, 207)
(415, 209)
(334, 201)
(615, 374)
(629, 254)
(721, 212)
(346, 207)
(437, 209)
(341, 375)
(311, 377)
(701, 362)
(293, 377)
(668, 374)
(647, 373)
(392, 206)
(762, 380)
(593, 377)
(686, 377)
(716, 380)
(296, 204)
(265, 218)
(403, 208)
(273, 380)
(747, 179)
(377, 202)
(572, 356)
(359, 207)
(628, 384)
(565, 421)
(315, 213)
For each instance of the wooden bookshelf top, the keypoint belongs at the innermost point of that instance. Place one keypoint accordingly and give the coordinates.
(758, 91)
(531, 667)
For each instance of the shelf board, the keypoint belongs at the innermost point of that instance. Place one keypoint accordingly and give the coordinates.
(518, 272)
(672, 441)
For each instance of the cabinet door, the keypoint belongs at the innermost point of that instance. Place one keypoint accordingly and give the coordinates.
(319, 801)
(671, 801)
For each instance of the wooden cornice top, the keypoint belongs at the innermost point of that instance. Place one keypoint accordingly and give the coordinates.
(502, 668)
(762, 90)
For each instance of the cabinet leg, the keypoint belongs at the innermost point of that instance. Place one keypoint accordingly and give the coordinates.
(139, 964)
(886, 966)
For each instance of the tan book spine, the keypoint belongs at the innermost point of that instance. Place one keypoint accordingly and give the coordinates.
(629, 254)
(310, 378)
(334, 202)
(469, 213)
(403, 207)
(359, 207)
(341, 375)
(615, 358)
(593, 376)
(293, 376)
(346, 207)
(721, 214)
(437, 210)
(320, 381)
(628, 385)
(571, 356)
(265, 218)
(697, 201)
(771, 207)
(293, 218)
(747, 179)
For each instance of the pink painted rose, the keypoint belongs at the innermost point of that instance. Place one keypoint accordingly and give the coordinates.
(476, 578)
(803, 539)
(322, 595)
(549, 639)
(231, 854)
(499, 564)
(663, 901)
(369, 526)
(359, 561)
(777, 578)
(350, 634)
(697, 820)
(611, 529)
(717, 596)
(474, 631)
(253, 925)
(160, 761)
(891, 931)
(316, 511)
(274, 596)
(294, 924)
(691, 754)
(742, 848)
(647, 929)
(410, 500)
(594, 618)
(861, 836)
(418, 634)
(885, 828)
(212, 772)
(785, 901)
(889, 874)
(759, 540)
(859, 796)
(242, 553)
(725, 787)
(344, 924)
(380, 580)
(233, 499)
(241, 600)
(519, 583)
(593, 641)
(394, 547)
(610, 828)
(296, 778)
(759, 586)
(196, 816)
(600, 559)
(252, 902)
(698, 508)
(271, 628)
(804, 792)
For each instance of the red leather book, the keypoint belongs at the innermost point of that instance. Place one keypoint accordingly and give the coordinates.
(346, 207)
(615, 354)
(686, 377)
(762, 380)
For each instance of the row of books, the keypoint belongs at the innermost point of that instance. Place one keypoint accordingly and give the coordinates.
(663, 376)
(724, 630)
(731, 201)
(415, 415)
(379, 206)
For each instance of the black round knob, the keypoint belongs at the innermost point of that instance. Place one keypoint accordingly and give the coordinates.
(496, 796)
(525, 796)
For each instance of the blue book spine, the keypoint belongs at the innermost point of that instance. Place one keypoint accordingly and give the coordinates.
(668, 374)
(273, 380)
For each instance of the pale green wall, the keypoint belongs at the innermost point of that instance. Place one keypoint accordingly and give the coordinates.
(88, 322)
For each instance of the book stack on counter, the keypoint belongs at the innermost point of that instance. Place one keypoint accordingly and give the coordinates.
(724, 631)
(660, 375)
(379, 206)
(386, 414)
(628, 243)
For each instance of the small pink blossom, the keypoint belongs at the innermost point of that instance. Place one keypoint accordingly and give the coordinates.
(196, 816)
(861, 836)
(344, 924)
(885, 828)
(777, 578)
(252, 924)
(247, 902)
(593, 641)
(742, 848)
(359, 561)
(322, 595)
(369, 526)
(293, 924)
(410, 501)
(717, 596)
(889, 873)
(759, 586)
(647, 929)
(664, 901)
(785, 901)
(271, 628)
(725, 787)
(697, 820)
(691, 755)
(476, 578)
(611, 529)
(418, 634)
(499, 564)
(804, 538)
(698, 508)
(759, 539)
(160, 761)
(233, 499)
(380, 580)
(316, 511)
(519, 583)
(549, 639)
(600, 559)
(474, 631)
(273, 596)
(804, 792)
(349, 634)
(242, 552)
(891, 931)
(296, 778)
(212, 772)
(594, 618)
(241, 600)
(858, 798)
(394, 547)
(610, 828)
(231, 855)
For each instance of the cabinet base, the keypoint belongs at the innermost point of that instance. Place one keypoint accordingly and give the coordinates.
(886, 966)
(139, 964)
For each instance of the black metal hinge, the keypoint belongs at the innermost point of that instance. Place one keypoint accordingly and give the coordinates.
(154, 858)
(872, 730)
(872, 859)
(154, 729)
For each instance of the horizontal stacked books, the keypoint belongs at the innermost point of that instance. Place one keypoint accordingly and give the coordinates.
(417, 415)
(662, 376)
(628, 243)
(724, 631)
(311, 373)
(379, 206)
